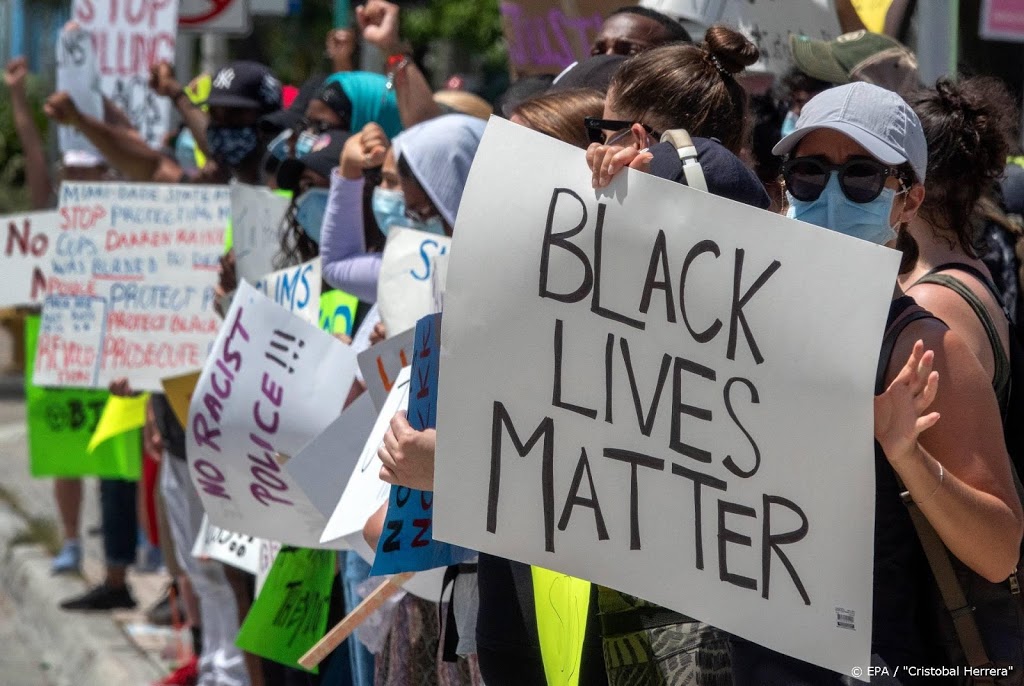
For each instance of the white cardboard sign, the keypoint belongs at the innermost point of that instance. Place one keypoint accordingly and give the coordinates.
(131, 284)
(365, 492)
(129, 38)
(769, 24)
(237, 550)
(296, 289)
(323, 468)
(405, 289)
(29, 241)
(380, 364)
(665, 392)
(79, 76)
(257, 221)
(272, 383)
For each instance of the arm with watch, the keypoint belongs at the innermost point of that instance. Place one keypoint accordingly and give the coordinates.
(378, 21)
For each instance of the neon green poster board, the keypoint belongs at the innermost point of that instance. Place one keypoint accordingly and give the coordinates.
(290, 614)
(561, 603)
(338, 312)
(61, 423)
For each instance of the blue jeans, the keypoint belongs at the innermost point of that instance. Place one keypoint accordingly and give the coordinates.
(355, 572)
(120, 521)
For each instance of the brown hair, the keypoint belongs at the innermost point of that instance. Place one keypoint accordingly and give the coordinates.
(689, 86)
(560, 114)
(969, 128)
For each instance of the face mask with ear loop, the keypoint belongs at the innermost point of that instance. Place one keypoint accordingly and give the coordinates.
(692, 171)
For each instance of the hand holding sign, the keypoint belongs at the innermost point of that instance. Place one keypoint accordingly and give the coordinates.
(408, 455)
(899, 412)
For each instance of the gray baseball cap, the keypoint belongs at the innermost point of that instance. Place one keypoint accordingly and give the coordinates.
(879, 120)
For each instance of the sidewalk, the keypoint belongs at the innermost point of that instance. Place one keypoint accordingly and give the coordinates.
(80, 649)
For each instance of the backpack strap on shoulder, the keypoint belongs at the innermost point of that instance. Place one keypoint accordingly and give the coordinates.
(681, 141)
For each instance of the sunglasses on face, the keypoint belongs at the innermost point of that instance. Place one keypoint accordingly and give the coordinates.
(861, 179)
(598, 130)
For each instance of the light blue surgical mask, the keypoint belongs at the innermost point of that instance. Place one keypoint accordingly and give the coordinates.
(868, 221)
(305, 143)
(789, 123)
(389, 211)
(310, 208)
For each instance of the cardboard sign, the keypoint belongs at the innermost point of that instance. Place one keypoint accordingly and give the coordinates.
(407, 543)
(179, 390)
(405, 290)
(769, 24)
(290, 614)
(268, 553)
(1002, 20)
(238, 550)
(128, 38)
(296, 289)
(664, 392)
(29, 241)
(62, 421)
(257, 222)
(131, 285)
(338, 312)
(365, 492)
(323, 468)
(545, 37)
(381, 363)
(272, 383)
(79, 76)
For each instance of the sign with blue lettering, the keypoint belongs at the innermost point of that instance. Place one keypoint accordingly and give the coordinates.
(406, 287)
(406, 544)
(296, 289)
(130, 283)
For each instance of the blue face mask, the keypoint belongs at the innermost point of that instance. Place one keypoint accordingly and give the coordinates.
(185, 150)
(868, 221)
(389, 211)
(232, 144)
(305, 143)
(789, 123)
(310, 208)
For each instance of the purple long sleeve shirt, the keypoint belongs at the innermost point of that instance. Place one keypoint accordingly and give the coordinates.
(346, 264)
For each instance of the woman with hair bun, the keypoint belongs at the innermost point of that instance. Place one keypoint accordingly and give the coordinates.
(677, 86)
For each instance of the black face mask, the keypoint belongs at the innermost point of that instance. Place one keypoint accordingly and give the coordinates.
(232, 144)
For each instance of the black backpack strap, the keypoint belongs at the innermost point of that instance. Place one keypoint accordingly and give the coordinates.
(961, 613)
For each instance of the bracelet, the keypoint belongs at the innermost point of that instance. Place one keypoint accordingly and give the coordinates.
(942, 476)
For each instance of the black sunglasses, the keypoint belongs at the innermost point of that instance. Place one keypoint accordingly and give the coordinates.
(861, 179)
(596, 129)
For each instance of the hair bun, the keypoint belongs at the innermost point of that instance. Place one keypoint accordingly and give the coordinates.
(731, 48)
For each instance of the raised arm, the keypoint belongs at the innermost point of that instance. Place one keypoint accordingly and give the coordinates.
(128, 154)
(162, 82)
(37, 174)
(953, 461)
(378, 20)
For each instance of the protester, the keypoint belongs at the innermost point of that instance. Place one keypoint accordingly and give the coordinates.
(632, 30)
(798, 88)
(857, 161)
(560, 114)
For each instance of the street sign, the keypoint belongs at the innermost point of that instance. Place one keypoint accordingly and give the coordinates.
(214, 16)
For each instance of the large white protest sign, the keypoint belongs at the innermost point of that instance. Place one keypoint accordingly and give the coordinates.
(272, 383)
(381, 363)
(405, 289)
(296, 289)
(324, 467)
(664, 392)
(29, 241)
(238, 550)
(257, 221)
(129, 38)
(365, 492)
(79, 76)
(769, 24)
(131, 280)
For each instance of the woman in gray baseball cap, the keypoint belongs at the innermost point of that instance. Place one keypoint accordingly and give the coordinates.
(857, 163)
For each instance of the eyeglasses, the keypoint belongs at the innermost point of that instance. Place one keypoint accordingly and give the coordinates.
(316, 126)
(861, 179)
(597, 130)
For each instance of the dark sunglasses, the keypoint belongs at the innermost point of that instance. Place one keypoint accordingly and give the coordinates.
(861, 179)
(596, 129)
